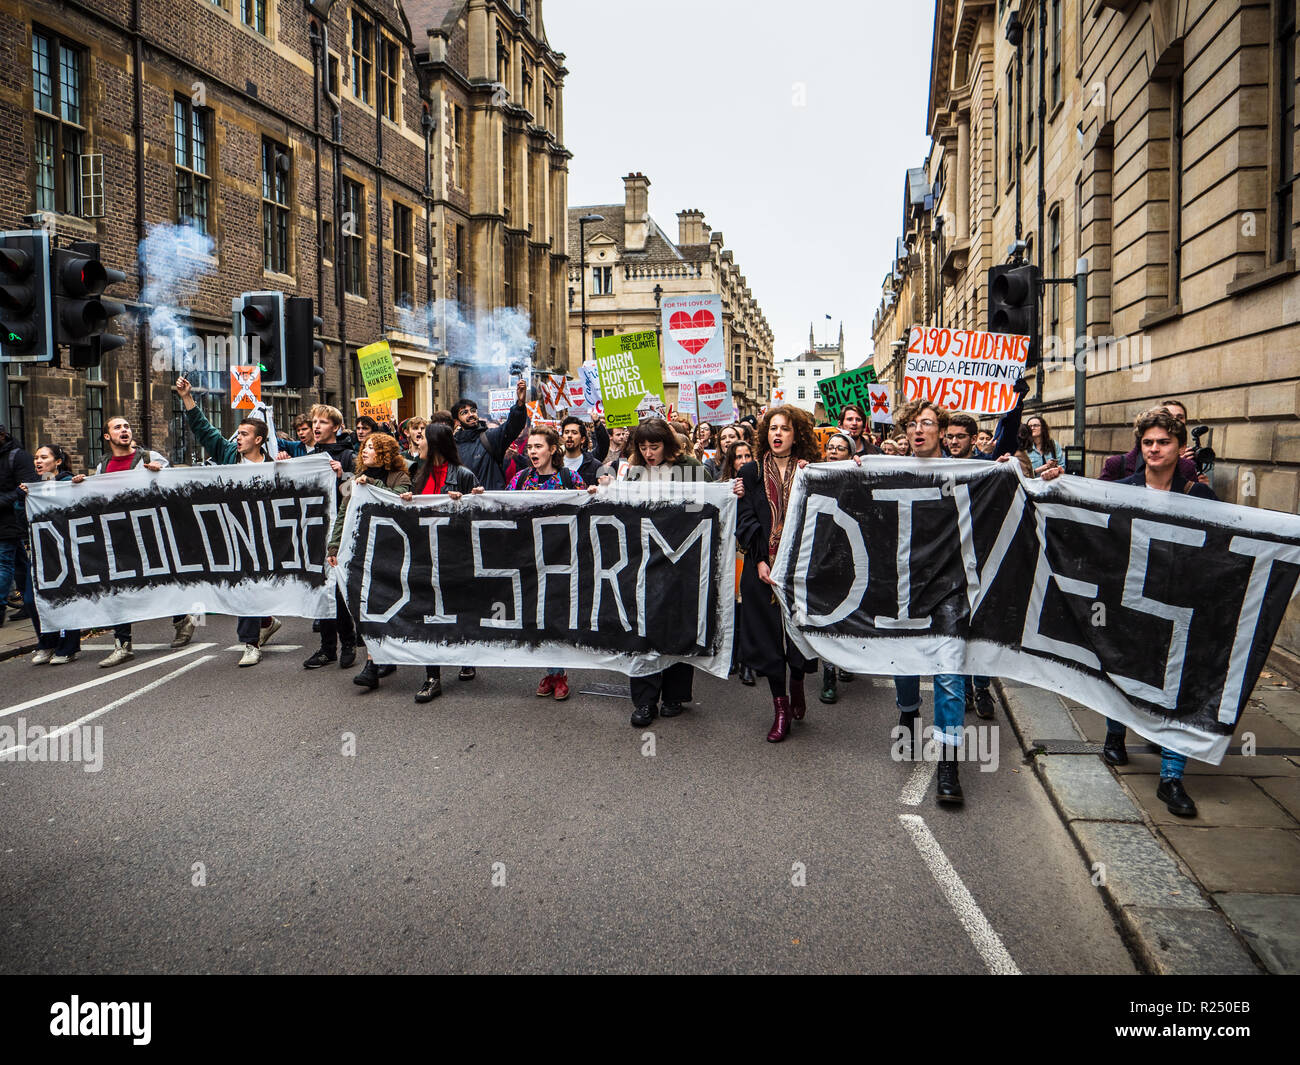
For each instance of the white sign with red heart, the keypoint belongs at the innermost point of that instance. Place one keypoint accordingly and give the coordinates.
(713, 394)
(692, 329)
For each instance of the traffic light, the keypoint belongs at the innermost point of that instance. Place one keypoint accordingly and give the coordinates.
(1013, 303)
(260, 316)
(81, 316)
(26, 328)
(302, 348)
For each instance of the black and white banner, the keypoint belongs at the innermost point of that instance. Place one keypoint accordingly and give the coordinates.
(247, 540)
(1155, 609)
(634, 579)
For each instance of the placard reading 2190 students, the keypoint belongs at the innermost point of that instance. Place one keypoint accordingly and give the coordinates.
(246, 540)
(634, 579)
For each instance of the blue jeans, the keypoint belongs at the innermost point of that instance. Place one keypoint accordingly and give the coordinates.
(949, 702)
(14, 567)
(1172, 763)
(555, 672)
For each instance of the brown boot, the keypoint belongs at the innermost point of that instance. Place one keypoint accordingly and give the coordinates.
(781, 725)
(797, 705)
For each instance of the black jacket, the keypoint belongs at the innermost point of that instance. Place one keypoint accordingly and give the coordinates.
(483, 450)
(16, 466)
(459, 479)
(1181, 485)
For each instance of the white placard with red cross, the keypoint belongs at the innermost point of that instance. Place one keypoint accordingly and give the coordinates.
(882, 404)
(692, 332)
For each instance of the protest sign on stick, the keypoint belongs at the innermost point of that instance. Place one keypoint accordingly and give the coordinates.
(382, 410)
(378, 372)
(852, 386)
(693, 341)
(963, 369)
(881, 408)
(245, 387)
(628, 365)
(713, 397)
(500, 402)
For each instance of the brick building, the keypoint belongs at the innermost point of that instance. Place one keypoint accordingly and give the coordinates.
(631, 265)
(1163, 137)
(311, 146)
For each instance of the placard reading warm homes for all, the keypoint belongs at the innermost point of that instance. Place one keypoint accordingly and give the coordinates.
(693, 343)
(961, 369)
(629, 371)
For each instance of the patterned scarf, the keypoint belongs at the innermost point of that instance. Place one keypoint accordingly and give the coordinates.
(777, 489)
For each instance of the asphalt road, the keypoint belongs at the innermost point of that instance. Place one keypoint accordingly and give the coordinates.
(278, 820)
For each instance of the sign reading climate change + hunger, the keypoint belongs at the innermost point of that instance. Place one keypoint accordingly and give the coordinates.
(961, 369)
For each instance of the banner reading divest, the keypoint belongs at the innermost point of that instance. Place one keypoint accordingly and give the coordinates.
(693, 341)
(247, 540)
(1154, 608)
(628, 366)
(634, 579)
(962, 369)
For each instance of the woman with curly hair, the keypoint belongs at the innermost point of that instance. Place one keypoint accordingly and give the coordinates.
(786, 441)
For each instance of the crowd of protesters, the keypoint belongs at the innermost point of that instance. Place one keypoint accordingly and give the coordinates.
(455, 453)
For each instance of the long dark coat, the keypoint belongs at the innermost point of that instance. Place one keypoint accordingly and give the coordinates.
(764, 646)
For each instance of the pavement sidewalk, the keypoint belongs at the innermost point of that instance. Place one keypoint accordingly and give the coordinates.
(1217, 894)
(17, 638)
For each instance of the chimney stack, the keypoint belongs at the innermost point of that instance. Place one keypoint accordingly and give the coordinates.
(636, 211)
(691, 228)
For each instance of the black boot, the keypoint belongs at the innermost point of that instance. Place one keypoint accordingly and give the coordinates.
(747, 676)
(1113, 750)
(829, 692)
(907, 721)
(948, 789)
(1172, 793)
(369, 675)
(347, 655)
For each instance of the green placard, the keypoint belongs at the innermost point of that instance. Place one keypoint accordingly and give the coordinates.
(378, 373)
(849, 387)
(628, 366)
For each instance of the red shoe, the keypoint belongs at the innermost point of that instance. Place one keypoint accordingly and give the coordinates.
(781, 725)
(561, 687)
(547, 686)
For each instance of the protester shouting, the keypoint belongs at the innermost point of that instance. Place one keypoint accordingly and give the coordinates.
(483, 450)
(737, 454)
(248, 446)
(548, 474)
(785, 442)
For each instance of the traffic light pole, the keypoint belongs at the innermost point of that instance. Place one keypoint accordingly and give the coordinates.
(1080, 283)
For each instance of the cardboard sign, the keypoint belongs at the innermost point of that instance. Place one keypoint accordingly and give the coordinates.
(628, 365)
(962, 369)
(383, 411)
(501, 402)
(245, 387)
(693, 341)
(852, 386)
(713, 397)
(881, 400)
(378, 373)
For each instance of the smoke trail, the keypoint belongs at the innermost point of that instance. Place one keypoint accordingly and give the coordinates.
(174, 259)
(487, 351)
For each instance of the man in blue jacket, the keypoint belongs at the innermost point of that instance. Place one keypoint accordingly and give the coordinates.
(482, 450)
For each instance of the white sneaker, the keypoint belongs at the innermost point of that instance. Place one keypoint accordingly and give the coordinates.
(267, 631)
(42, 655)
(184, 631)
(63, 660)
(121, 653)
(252, 655)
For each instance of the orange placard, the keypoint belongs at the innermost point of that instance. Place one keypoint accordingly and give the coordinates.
(384, 410)
(245, 387)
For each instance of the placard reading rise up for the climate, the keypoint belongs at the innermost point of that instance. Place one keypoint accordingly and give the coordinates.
(961, 369)
(629, 370)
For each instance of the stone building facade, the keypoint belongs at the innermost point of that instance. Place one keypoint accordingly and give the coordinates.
(295, 148)
(631, 265)
(1164, 132)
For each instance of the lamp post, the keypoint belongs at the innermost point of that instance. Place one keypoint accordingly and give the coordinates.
(582, 271)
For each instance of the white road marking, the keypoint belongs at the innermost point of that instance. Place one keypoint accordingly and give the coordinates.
(159, 646)
(107, 678)
(151, 686)
(918, 783)
(981, 933)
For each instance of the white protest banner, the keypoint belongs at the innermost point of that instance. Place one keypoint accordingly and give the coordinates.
(247, 539)
(962, 369)
(693, 343)
(882, 404)
(577, 397)
(500, 403)
(713, 394)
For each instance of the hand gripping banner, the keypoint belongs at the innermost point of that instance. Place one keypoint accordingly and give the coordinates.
(1156, 609)
(633, 579)
(247, 540)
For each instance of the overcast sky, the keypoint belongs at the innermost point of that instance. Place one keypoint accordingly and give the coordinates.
(790, 125)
